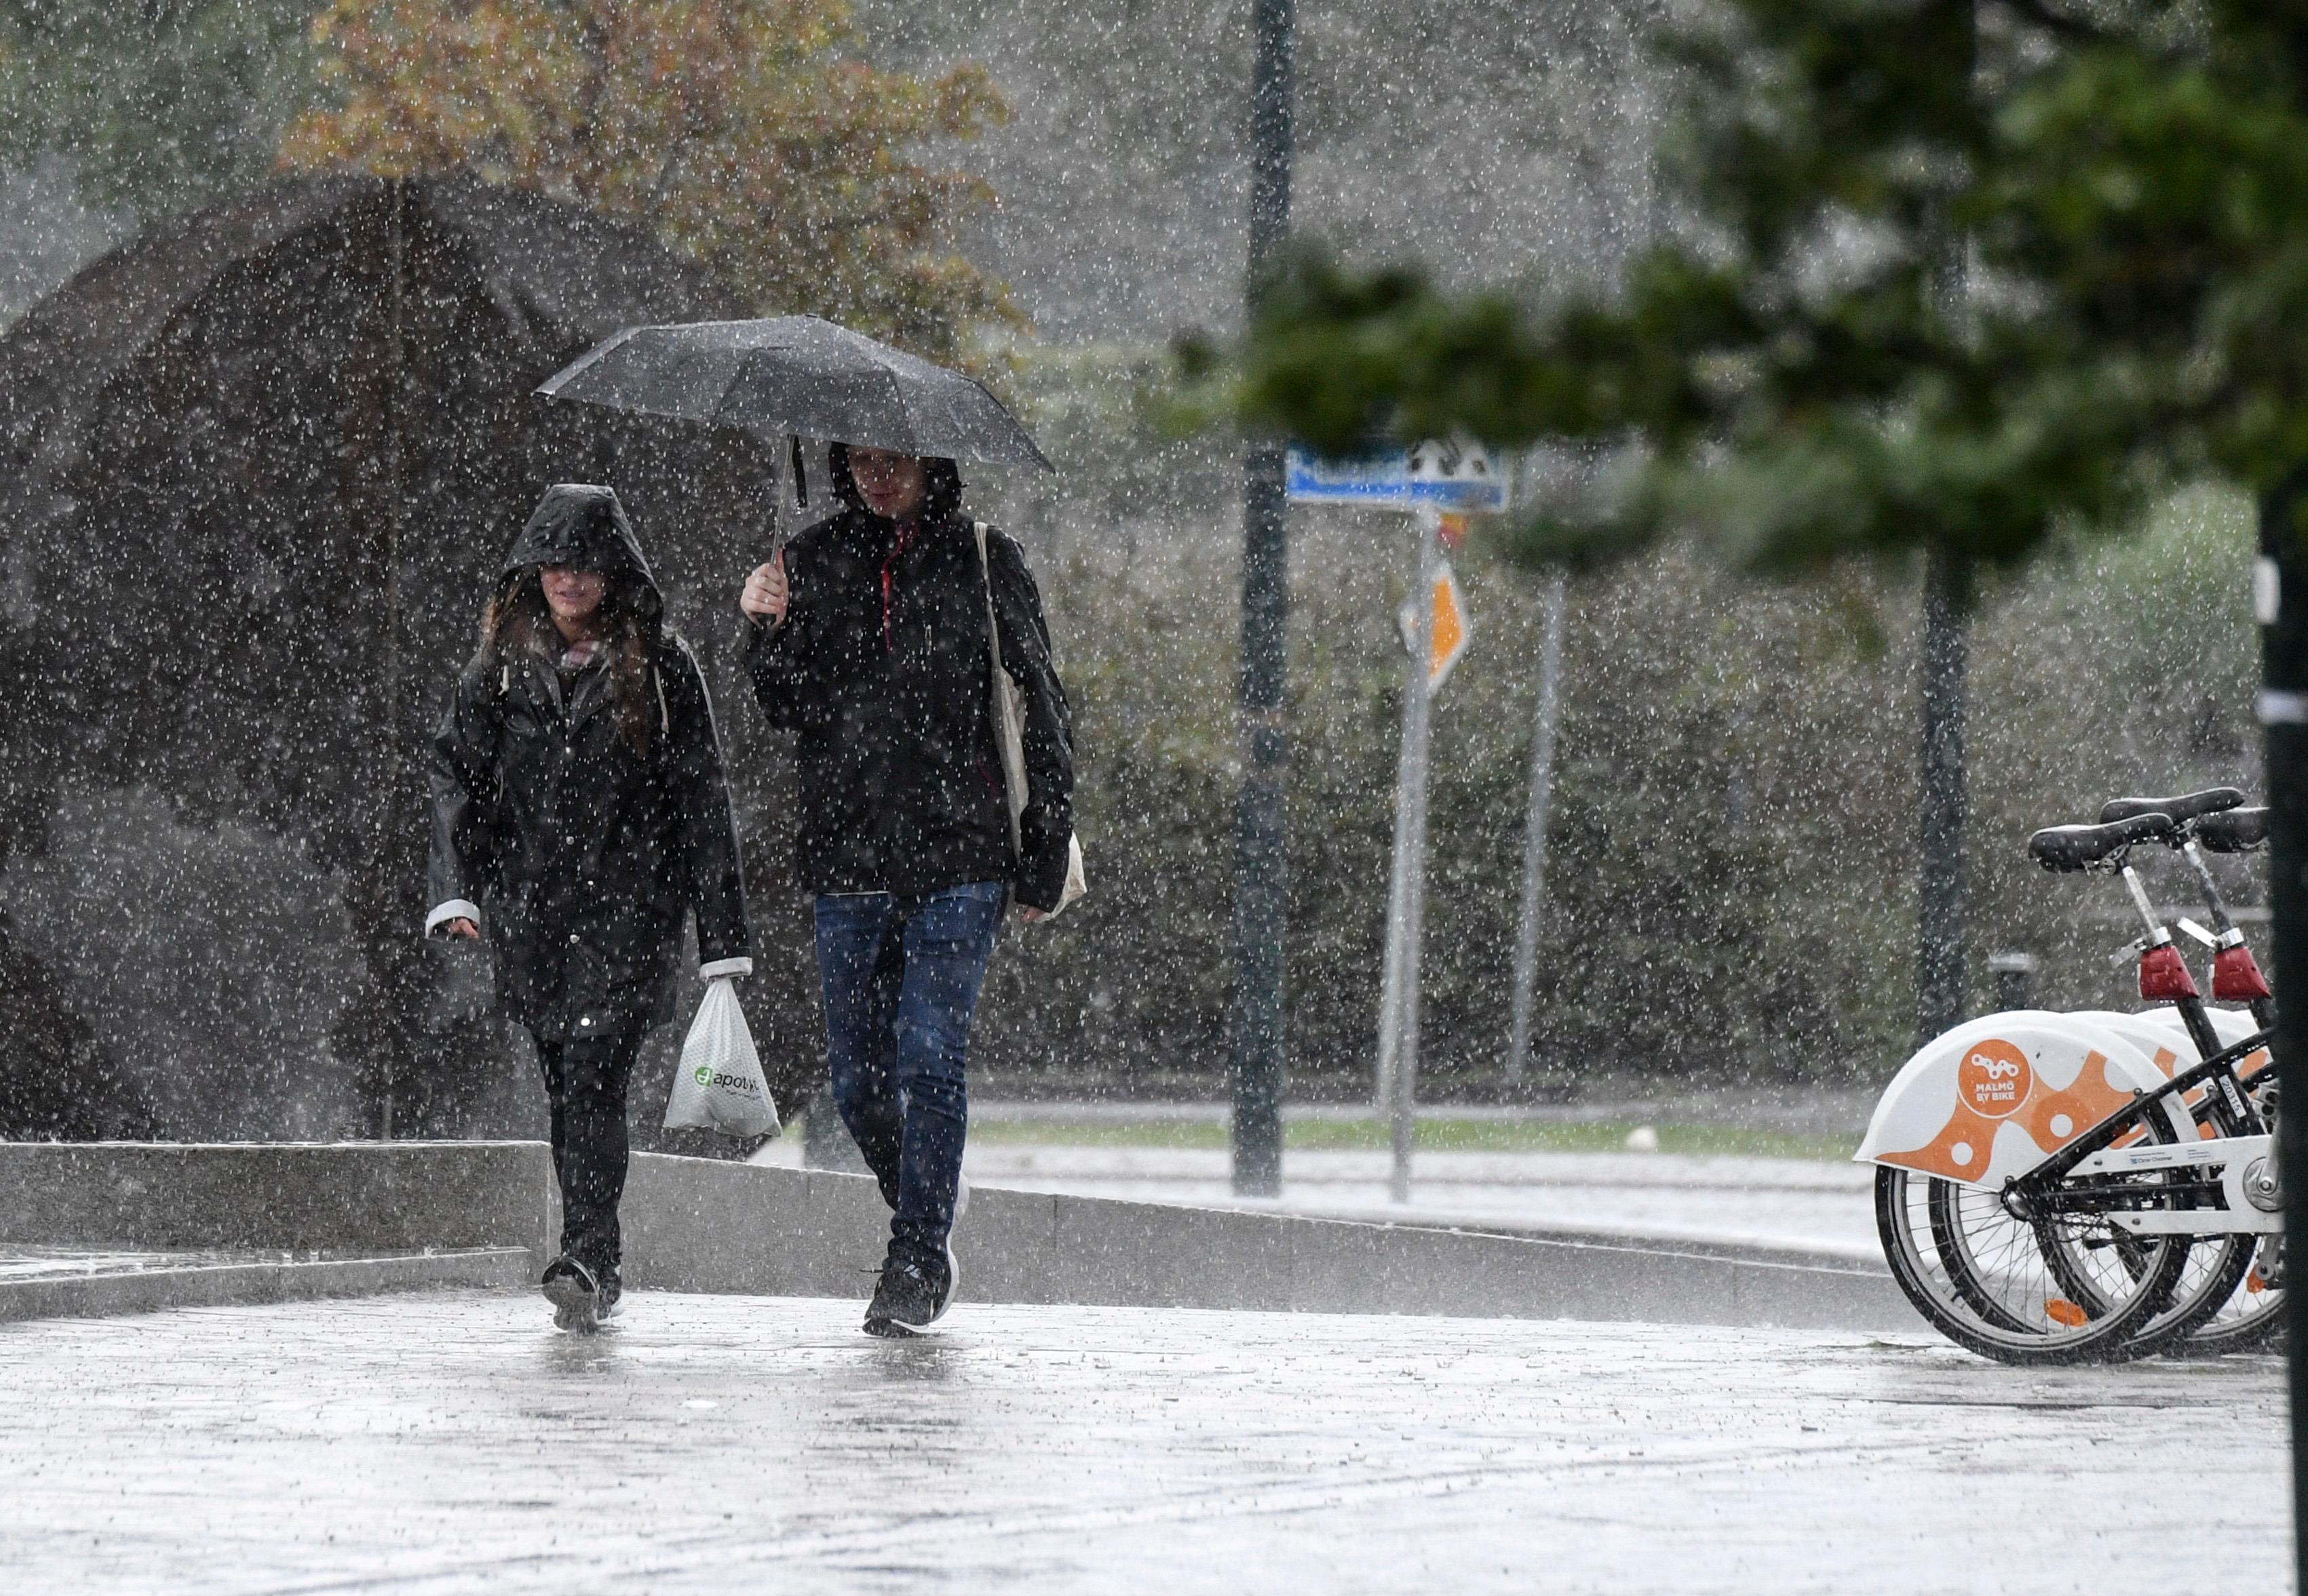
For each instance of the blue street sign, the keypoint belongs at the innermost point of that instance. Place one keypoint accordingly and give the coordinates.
(1441, 474)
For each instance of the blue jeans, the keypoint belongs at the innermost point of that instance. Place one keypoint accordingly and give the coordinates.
(901, 977)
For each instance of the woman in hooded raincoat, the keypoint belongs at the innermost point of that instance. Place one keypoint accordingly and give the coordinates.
(580, 814)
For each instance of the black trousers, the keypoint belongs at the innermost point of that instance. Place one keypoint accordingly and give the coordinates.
(585, 1082)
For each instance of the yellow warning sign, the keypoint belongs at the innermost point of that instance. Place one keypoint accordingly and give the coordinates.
(1452, 625)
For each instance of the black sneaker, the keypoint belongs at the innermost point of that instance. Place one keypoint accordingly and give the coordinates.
(910, 1298)
(575, 1295)
(612, 1289)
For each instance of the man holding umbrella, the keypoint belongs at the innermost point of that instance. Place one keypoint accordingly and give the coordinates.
(870, 644)
(875, 638)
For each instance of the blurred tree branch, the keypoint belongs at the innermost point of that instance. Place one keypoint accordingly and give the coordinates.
(1797, 378)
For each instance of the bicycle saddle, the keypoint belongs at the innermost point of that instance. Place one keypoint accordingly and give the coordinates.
(2186, 807)
(2079, 847)
(2233, 830)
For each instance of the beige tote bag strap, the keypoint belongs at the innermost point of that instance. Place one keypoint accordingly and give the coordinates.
(1002, 707)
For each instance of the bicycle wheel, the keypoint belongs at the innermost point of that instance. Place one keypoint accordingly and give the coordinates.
(2215, 1273)
(2251, 1320)
(2063, 1288)
(2086, 1264)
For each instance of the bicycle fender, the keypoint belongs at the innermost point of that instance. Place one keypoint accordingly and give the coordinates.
(1997, 1095)
(2166, 1041)
(2231, 1025)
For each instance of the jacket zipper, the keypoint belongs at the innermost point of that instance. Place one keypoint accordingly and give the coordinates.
(904, 541)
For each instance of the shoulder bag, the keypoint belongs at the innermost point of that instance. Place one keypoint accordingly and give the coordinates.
(1006, 709)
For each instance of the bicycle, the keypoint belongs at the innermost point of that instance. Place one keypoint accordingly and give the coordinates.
(2041, 1184)
(2253, 1317)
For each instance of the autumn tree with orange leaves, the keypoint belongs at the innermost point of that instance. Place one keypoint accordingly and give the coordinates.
(751, 134)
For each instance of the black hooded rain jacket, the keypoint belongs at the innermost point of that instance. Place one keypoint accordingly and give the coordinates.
(580, 855)
(881, 670)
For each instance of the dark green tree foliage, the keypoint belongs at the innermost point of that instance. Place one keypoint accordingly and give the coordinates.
(58, 1083)
(1732, 885)
(161, 103)
(1916, 298)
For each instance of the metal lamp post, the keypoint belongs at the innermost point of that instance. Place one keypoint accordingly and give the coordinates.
(1260, 911)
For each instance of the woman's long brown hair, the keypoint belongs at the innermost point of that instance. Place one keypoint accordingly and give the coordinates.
(519, 618)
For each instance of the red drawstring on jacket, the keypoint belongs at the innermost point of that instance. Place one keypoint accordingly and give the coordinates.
(906, 531)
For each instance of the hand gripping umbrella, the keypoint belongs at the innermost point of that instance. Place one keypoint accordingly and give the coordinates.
(798, 377)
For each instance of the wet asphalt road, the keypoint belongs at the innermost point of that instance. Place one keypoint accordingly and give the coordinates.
(454, 1443)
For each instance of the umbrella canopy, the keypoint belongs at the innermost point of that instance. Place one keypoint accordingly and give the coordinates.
(798, 376)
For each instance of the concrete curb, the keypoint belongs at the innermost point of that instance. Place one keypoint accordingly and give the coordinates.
(1751, 1252)
(703, 1225)
(372, 1197)
(209, 1285)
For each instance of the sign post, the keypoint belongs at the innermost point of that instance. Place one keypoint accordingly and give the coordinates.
(1534, 832)
(1428, 479)
(1406, 905)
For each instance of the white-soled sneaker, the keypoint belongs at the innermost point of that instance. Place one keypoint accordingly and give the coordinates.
(906, 1300)
(952, 1282)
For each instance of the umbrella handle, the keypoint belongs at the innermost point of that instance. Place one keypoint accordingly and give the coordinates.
(790, 464)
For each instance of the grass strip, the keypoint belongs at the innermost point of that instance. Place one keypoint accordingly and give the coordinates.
(1438, 1134)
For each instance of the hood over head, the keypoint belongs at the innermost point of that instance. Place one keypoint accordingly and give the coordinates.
(581, 525)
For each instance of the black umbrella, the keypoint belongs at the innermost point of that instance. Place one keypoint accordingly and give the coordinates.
(801, 377)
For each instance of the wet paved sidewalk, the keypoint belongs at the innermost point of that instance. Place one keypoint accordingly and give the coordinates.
(1804, 1206)
(453, 1442)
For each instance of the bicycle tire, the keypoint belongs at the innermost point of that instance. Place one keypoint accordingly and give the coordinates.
(2219, 1265)
(1947, 1236)
(2219, 1262)
(1990, 1300)
(2214, 1270)
(2251, 1321)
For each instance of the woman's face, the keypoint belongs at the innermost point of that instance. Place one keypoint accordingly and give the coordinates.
(894, 485)
(571, 594)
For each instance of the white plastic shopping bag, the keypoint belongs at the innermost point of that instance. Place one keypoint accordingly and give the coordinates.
(718, 1085)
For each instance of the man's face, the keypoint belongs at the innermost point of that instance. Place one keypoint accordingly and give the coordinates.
(895, 485)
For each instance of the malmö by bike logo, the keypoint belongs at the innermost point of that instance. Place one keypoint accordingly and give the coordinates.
(1994, 1079)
